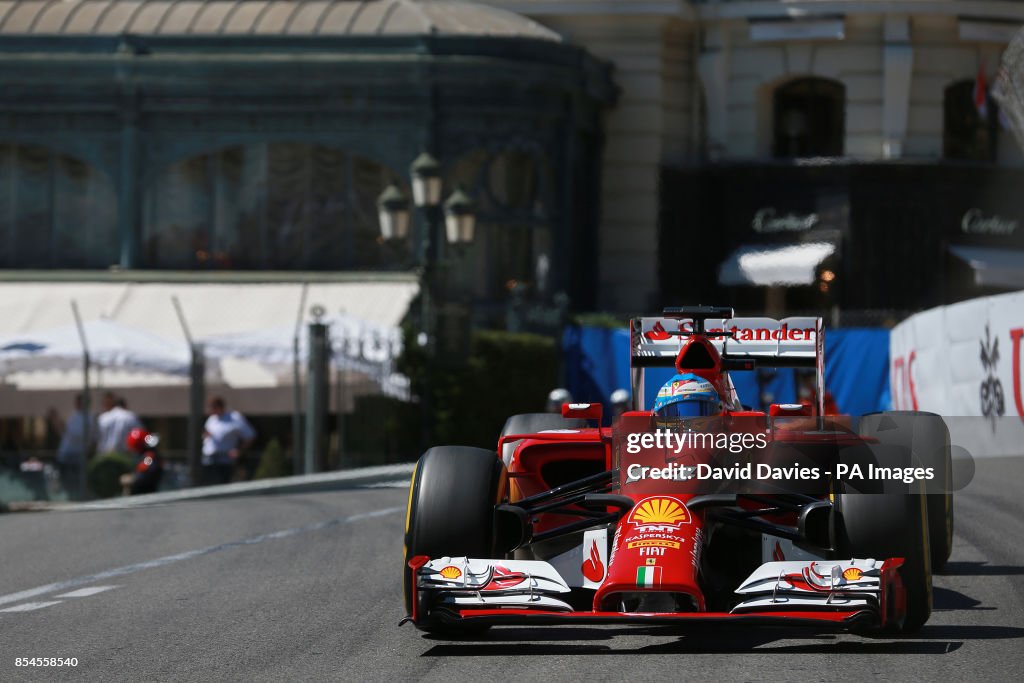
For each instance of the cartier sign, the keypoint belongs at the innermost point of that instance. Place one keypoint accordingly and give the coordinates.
(975, 222)
(769, 220)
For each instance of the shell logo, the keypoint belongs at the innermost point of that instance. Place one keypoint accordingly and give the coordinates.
(660, 510)
(852, 574)
(450, 572)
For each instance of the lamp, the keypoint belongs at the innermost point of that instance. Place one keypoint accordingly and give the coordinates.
(459, 218)
(426, 180)
(393, 213)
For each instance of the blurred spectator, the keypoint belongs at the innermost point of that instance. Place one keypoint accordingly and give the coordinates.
(33, 474)
(226, 435)
(75, 446)
(115, 423)
(149, 466)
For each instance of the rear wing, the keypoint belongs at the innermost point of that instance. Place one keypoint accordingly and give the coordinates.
(786, 343)
(743, 343)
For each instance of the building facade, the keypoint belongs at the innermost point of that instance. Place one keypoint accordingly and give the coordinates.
(603, 141)
(746, 129)
(254, 135)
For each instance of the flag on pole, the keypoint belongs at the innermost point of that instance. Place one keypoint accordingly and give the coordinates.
(981, 93)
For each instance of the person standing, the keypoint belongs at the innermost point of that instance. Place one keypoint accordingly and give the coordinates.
(115, 423)
(226, 435)
(78, 435)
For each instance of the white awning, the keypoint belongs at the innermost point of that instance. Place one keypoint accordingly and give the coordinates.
(257, 318)
(774, 264)
(993, 267)
(211, 308)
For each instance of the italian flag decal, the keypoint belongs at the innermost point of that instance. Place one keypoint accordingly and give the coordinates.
(648, 576)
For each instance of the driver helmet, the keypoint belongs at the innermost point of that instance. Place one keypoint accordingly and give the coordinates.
(139, 440)
(687, 395)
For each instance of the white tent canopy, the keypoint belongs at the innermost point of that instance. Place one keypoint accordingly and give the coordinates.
(109, 343)
(247, 328)
(353, 342)
(356, 345)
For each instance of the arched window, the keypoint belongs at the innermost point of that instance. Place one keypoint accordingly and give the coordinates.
(514, 246)
(968, 134)
(279, 206)
(55, 211)
(809, 118)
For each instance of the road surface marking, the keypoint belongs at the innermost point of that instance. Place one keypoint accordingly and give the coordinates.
(190, 554)
(85, 592)
(30, 606)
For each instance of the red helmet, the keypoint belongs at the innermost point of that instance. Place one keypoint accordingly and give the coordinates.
(139, 440)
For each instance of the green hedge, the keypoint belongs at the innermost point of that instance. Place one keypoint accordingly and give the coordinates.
(506, 373)
(381, 430)
(104, 473)
(273, 462)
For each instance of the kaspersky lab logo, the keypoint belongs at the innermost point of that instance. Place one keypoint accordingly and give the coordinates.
(991, 390)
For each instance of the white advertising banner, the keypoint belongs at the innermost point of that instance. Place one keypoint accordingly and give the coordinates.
(965, 362)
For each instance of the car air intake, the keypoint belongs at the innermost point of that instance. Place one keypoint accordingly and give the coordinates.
(697, 357)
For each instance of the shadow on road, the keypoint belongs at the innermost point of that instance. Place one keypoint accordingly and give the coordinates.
(695, 645)
(981, 569)
(947, 600)
(505, 642)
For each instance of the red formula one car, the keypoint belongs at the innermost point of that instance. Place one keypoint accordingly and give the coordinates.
(779, 517)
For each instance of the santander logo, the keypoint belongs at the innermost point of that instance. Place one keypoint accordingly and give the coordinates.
(593, 568)
(657, 333)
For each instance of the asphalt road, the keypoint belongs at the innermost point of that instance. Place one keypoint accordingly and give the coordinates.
(306, 587)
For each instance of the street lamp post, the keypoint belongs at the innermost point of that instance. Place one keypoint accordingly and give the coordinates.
(425, 173)
(459, 229)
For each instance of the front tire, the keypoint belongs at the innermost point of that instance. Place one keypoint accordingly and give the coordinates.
(927, 437)
(890, 523)
(451, 511)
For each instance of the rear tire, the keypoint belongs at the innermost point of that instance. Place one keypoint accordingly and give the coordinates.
(891, 523)
(927, 436)
(451, 512)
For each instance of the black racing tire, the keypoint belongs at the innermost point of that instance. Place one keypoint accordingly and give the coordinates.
(451, 512)
(531, 423)
(927, 436)
(892, 522)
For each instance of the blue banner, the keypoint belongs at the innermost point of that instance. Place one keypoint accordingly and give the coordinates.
(856, 370)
